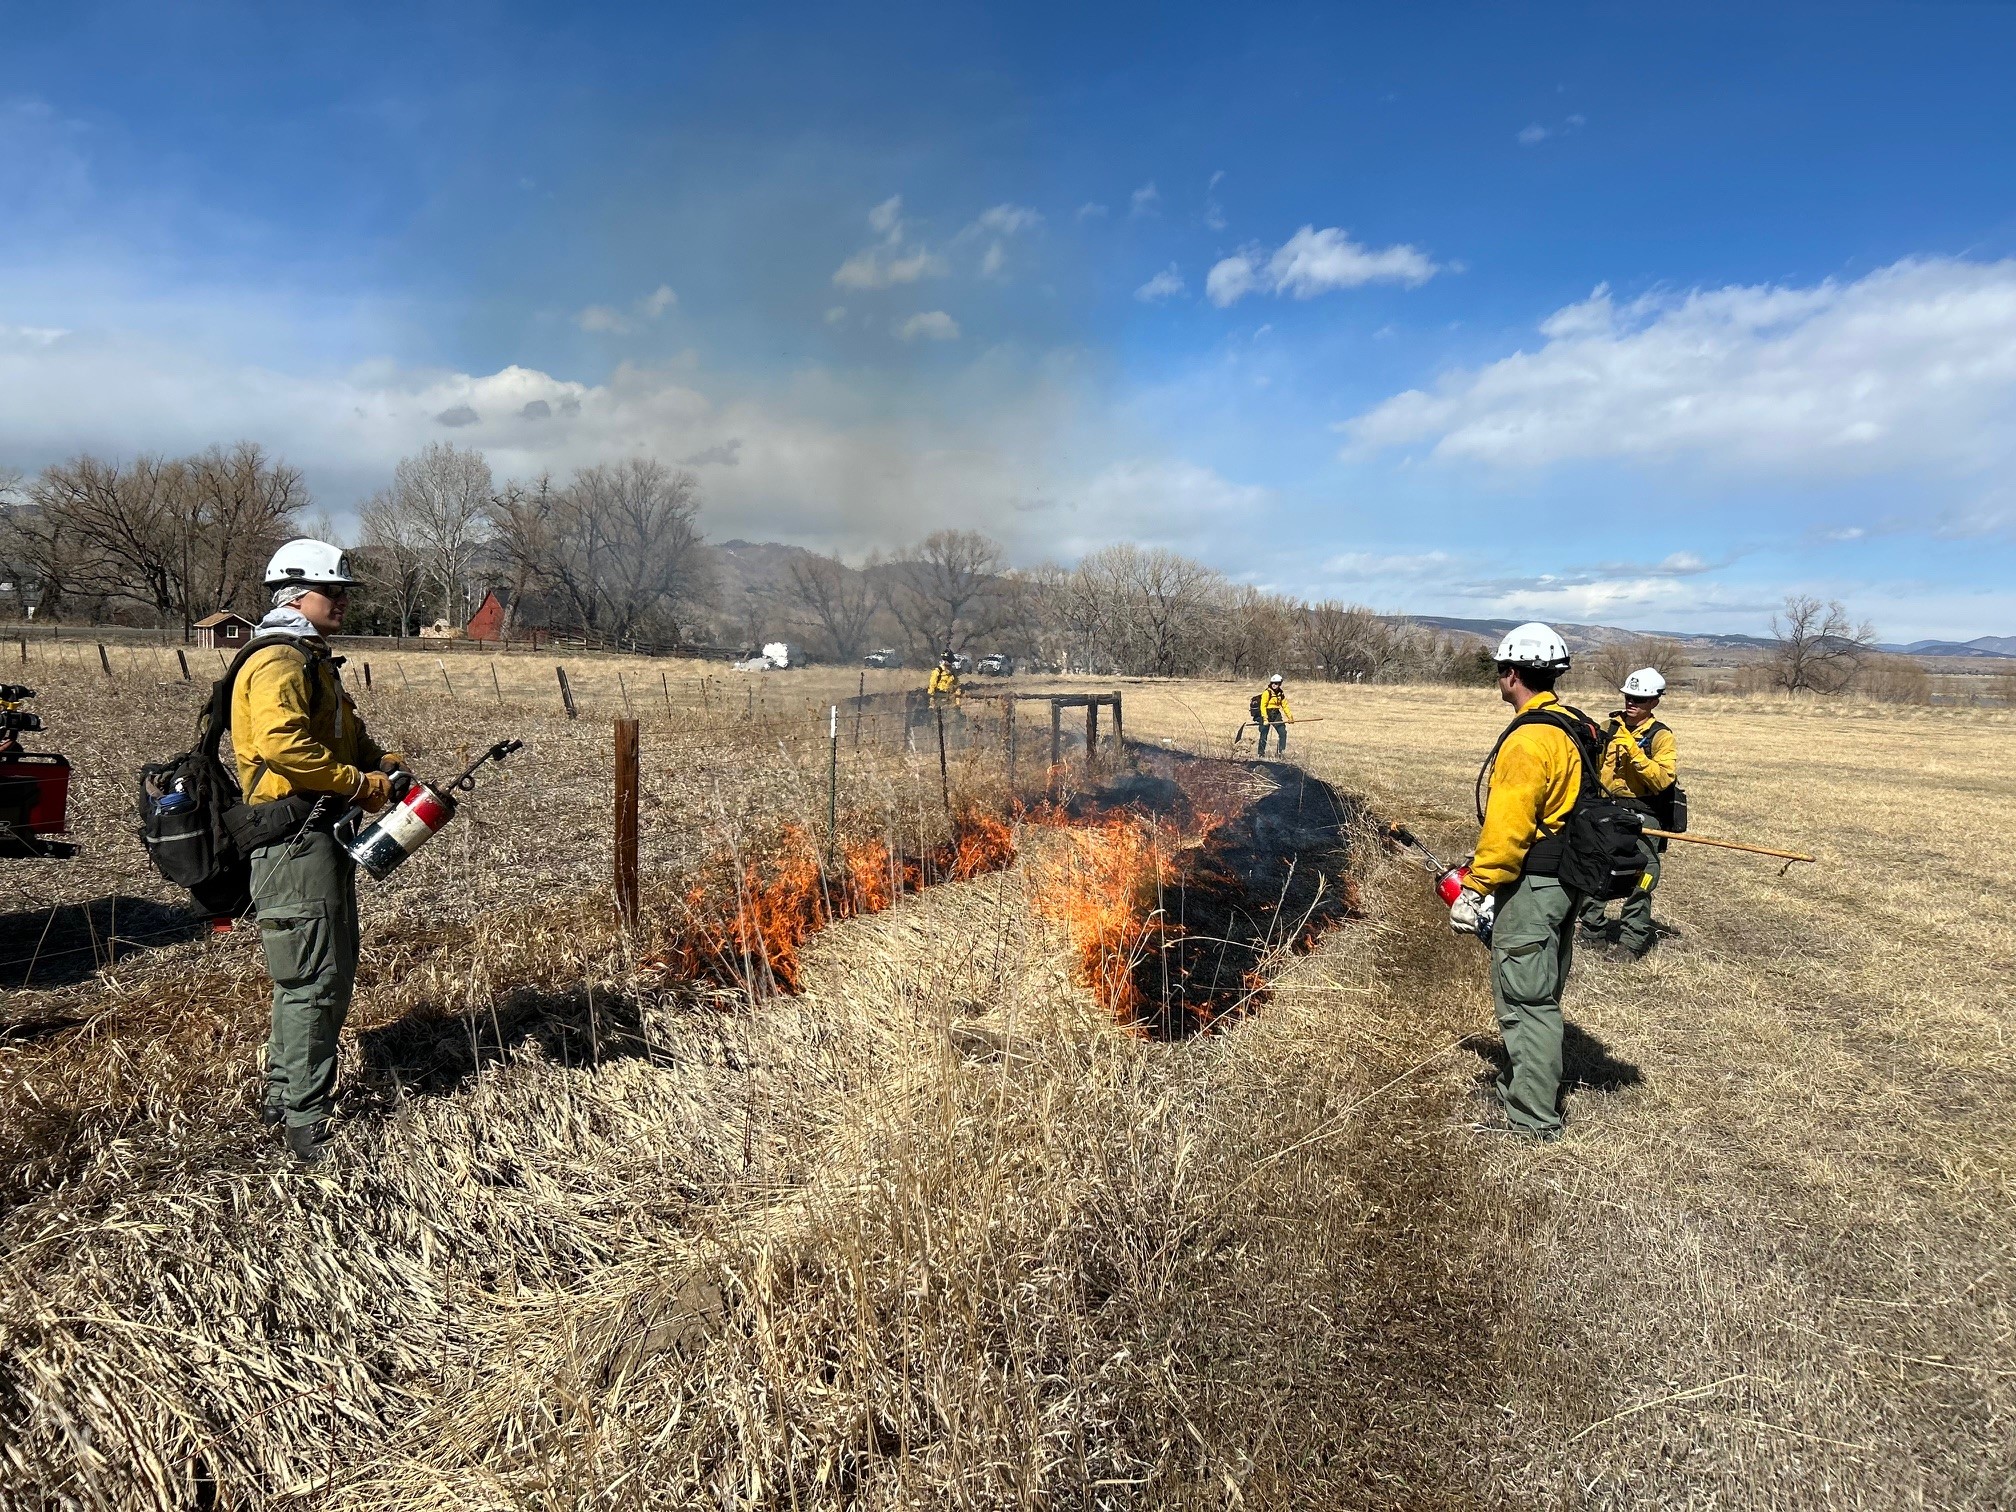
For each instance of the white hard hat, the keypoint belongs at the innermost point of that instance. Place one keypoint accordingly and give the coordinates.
(1275, 678)
(311, 563)
(1533, 645)
(1645, 683)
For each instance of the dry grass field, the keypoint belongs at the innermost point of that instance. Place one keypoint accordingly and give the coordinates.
(934, 1230)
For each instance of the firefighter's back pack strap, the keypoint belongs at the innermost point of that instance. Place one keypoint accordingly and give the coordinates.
(216, 716)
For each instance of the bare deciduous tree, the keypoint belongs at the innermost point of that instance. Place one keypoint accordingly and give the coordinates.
(834, 600)
(1349, 642)
(178, 536)
(444, 494)
(393, 557)
(950, 589)
(237, 507)
(618, 549)
(1819, 648)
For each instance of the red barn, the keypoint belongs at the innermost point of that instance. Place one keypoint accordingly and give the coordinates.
(494, 619)
(490, 620)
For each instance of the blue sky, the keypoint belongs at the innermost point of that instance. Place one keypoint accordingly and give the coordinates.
(1640, 314)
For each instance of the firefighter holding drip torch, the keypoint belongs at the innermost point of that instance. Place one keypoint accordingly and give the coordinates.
(303, 757)
(1513, 894)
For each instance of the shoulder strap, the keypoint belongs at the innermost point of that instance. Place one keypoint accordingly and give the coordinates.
(1644, 736)
(1575, 725)
(216, 716)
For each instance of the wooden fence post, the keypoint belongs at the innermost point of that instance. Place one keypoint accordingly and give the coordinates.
(444, 676)
(566, 693)
(944, 779)
(626, 821)
(1008, 714)
(1056, 744)
(104, 661)
(367, 677)
(1119, 730)
(1091, 734)
(182, 657)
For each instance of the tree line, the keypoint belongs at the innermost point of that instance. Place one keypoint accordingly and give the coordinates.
(615, 553)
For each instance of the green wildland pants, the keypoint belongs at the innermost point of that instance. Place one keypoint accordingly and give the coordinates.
(1635, 919)
(305, 893)
(1532, 947)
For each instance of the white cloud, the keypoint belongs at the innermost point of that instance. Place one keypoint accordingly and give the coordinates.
(1535, 134)
(1164, 285)
(1313, 262)
(608, 320)
(836, 314)
(889, 262)
(1146, 200)
(1231, 279)
(1007, 220)
(1090, 211)
(932, 325)
(992, 263)
(1912, 366)
(883, 267)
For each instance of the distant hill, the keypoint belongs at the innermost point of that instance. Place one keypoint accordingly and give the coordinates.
(1985, 645)
(1587, 637)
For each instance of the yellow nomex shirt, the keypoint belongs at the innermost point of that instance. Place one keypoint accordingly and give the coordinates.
(1534, 783)
(1634, 771)
(270, 719)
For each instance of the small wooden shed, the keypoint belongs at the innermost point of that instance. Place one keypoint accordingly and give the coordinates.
(223, 631)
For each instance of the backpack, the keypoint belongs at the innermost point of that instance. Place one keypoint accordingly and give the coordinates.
(1253, 709)
(206, 845)
(1595, 852)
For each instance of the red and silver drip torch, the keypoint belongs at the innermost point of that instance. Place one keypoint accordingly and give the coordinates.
(418, 812)
(1449, 880)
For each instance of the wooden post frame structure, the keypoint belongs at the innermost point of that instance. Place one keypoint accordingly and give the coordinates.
(1091, 703)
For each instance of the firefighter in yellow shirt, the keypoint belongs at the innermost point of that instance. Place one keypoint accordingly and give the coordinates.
(1274, 715)
(1513, 895)
(303, 758)
(944, 689)
(1640, 766)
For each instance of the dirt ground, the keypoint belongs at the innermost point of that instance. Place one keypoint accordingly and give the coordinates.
(935, 1233)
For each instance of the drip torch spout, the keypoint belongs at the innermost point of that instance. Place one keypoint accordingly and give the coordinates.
(467, 781)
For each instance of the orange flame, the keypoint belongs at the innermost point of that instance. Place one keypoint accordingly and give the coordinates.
(752, 938)
(1100, 883)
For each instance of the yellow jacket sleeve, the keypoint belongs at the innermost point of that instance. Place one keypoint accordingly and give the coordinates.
(1533, 786)
(271, 723)
(1654, 770)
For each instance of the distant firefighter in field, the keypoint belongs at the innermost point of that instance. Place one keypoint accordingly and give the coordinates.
(1640, 769)
(1270, 712)
(944, 689)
